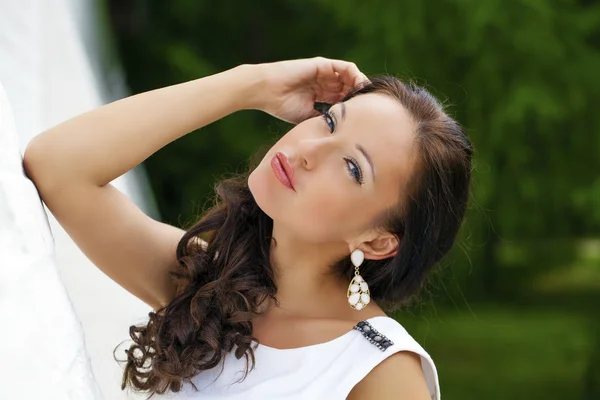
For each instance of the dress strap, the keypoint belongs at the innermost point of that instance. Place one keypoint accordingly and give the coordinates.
(384, 337)
(376, 338)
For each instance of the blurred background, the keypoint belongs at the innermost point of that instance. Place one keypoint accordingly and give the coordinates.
(513, 312)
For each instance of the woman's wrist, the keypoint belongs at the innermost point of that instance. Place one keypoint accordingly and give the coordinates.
(250, 82)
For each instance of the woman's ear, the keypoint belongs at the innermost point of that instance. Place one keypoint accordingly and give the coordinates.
(383, 246)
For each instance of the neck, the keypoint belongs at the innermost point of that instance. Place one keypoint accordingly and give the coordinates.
(306, 286)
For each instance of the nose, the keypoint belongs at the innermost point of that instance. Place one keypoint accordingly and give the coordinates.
(311, 152)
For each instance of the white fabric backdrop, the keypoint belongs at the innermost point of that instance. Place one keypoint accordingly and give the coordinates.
(42, 348)
(53, 66)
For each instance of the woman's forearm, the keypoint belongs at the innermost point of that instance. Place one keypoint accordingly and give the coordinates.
(100, 145)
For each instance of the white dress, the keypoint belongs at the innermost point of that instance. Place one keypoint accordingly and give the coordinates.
(322, 371)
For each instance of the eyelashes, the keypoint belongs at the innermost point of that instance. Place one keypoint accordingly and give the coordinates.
(329, 120)
(352, 165)
(354, 169)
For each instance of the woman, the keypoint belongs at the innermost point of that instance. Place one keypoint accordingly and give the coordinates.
(279, 291)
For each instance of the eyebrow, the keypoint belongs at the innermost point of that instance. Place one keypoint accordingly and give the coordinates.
(358, 146)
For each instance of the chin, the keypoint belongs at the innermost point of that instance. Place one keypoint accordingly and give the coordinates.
(262, 191)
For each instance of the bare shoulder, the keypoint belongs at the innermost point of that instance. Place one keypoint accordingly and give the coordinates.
(399, 376)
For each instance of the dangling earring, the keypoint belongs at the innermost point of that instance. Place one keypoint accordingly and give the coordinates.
(358, 290)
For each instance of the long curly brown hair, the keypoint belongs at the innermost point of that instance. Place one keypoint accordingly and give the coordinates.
(221, 287)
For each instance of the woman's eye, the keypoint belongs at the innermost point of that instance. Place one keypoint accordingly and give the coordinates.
(352, 165)
(354, 170)
(329, 120)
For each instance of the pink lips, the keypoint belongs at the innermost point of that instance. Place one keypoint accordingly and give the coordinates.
(283, 170)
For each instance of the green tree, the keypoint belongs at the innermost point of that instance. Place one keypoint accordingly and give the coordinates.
(519, 75)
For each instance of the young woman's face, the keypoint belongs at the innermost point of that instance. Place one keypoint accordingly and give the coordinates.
(337, 192)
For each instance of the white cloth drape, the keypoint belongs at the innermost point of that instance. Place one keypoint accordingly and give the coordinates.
(52, 299)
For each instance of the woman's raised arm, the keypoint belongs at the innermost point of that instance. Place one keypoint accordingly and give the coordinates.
(103, 144)
(73, 163)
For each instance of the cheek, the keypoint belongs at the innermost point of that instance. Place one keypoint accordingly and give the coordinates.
(327, 207)
(328, 210)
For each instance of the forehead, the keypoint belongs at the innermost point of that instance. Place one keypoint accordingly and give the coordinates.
(386, 130)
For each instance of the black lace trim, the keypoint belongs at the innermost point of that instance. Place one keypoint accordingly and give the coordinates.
(373, 336)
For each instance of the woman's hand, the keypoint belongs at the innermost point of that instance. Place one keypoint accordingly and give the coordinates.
(290, 88)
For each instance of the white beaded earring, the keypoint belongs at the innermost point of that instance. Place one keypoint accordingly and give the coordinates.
(358, 290)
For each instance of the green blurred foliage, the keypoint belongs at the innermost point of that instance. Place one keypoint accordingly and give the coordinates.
(520, 75)
(495, 354)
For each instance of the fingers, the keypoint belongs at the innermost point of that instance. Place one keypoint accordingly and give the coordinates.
(348, 73)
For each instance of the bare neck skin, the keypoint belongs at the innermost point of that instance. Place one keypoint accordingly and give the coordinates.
(305, 285)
